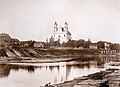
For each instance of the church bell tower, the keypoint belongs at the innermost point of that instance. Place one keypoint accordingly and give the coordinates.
(66, 26)
(55, 27)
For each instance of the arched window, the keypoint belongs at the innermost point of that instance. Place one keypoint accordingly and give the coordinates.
(62, 29)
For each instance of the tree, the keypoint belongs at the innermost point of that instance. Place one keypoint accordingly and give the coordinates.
(115, 46)
(86, 44)
(100, 45)
(56, 43)
(31, 43)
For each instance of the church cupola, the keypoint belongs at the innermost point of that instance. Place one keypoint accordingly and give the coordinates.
(55, 27)
(66, 26)
(55, 23)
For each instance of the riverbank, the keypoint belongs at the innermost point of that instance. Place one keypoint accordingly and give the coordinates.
(107, 78)
(33, 60)
(43, 53)
(47, 59)
(40, 55)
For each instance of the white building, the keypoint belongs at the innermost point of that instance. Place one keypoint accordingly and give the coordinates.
(61, 34)
(93, 46)
(38, 44)
(107, 46)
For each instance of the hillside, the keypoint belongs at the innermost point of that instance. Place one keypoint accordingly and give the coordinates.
(39, 52)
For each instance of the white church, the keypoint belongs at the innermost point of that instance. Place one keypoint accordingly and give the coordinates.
(61, 34)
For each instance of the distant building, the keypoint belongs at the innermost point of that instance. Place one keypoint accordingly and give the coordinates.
(107, 45)
(39, 44)
(93, 46)
(14, 42)
(61, 34)
(81, 47)
(5, 40)
(27, 43)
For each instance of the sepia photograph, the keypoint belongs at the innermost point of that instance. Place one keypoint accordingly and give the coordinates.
(59, 43)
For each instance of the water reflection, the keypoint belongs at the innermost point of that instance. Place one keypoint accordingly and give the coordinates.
(4, 70)
(34, 75)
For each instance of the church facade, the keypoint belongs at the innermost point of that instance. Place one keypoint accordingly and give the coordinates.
(61, 34)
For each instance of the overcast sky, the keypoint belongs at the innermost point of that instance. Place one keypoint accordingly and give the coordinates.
(34, 19)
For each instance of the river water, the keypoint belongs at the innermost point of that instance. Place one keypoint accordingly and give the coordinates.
(38, 74)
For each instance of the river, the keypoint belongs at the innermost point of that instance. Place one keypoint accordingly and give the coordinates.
(37, 74)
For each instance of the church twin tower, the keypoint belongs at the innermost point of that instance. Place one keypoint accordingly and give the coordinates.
(61, 34)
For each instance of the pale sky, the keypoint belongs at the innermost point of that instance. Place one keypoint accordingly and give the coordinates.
(34, 19)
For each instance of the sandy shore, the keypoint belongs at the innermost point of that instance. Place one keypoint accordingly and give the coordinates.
(107, 78)
(33, 60)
